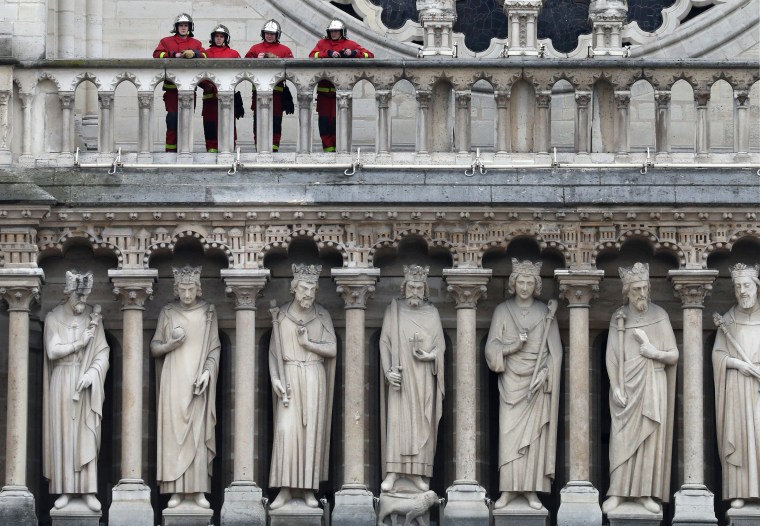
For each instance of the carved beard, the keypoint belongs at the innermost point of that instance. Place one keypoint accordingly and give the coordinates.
(306, 303)
(413, 301)
(78, 308)
(641, 304)
(747, 302)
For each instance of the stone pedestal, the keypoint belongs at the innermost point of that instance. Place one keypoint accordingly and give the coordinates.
(354, 506)
(130, 504)
(188, 513)
(17, 506)
(76, 513)
(694, 506)
(296, 513)
(632, 514)
(579, 505)
(747, 515)
(519, 513)
(242, 505)
(466, 505)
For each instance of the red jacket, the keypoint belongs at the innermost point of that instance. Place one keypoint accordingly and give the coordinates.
(275, 48)
(209, 88)
(169, 46)
(325, 46)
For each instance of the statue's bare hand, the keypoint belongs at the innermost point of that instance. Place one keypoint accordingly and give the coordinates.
(88, 335)
(523, 337)
(747, 369)
(647, 350)
(303, 336)
(394, 378)
(424, 356)
(620, 399)
(278, 388)
(540, 380)
(202, 382)
(84, 382)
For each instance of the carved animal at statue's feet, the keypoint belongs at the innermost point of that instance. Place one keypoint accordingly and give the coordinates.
(411, 506)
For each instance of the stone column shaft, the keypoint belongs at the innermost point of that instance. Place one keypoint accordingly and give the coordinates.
(741, 124)
(67, 107)
(702, 141)
(383, 99)
(463, 118)
(662, 121)
(503, 128)
(343, 124)
(692, 287)
(582, 129)
(185, 124)
(26, 138)
(144, 133)
(264, 121)
(623, 100)
(226, 123)
(423, 121)
(305, 101)
(5, 125)
(106, 122)
(544, 136)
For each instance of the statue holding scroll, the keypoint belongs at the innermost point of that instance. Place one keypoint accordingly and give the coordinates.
(411, 350)
(524, 348)
(75, 367)
(302, 354)
(641, 363)
(736, 365)
(186, 347)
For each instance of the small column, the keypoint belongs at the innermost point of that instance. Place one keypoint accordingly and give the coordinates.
(144, 133)
(26, 138)
(5, 151)
(437, 18)
(345, 101)
(693, 502)
(607, 18)
(466, 498)
(544, 105)
(130, 504)
(242, 499)
(423, 121)
(702, 141)
(383, 99)
(264, 122)
(623, 101)
(354, 502)
(19, 288)
(522, 34)
(226, 123)
(741, 125)
(185, 125)
(305, 100)
(662, 122)
(67, 126)
(463, 132)
(579, 500)
(503, 128)
(105, 100)
(582, 129)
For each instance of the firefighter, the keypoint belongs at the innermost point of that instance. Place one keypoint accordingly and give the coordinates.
(180, 45)
(282, 100)
(219, 48)
(335, 44)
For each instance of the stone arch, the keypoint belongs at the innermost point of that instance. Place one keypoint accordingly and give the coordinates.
(84, 77)
(45, 76)
(656, 244)
(50, 244)
(207, 244)
(727, 246)
(400, 236)
(126, 76)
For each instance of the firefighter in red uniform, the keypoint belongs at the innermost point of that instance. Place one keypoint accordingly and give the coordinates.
(334, 45)
(180, 45)
(220, 48)
(282, 100)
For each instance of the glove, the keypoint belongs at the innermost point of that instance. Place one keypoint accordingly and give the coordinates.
(188, 53)
(239, 110)
(351, 53)
(287, 101)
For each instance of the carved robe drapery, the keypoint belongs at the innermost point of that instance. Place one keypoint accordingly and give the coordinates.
(186, 443)
(737, 406)
(641, 434)
(300, 453)
(71, 428)
(414, 411)
(527, 428)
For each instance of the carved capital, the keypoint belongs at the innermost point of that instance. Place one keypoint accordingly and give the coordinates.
(133, 287)
(741, 96)
(105, 99)
(20, 288)
(502, 98)
(662, 98)
(26, 100)
(305, 98)
(67, 100)
(623, 99)
(243, 286)
(225, 99)
(355, 286)
(344, 99)
(701, 97)
(424, 98)
(578, 287)
(186, 99)
(692, 286)
(544, 98)
(582, 98)
(4, 96)
(467, 285)
(383, 98)
(145, 100)
(463, 99)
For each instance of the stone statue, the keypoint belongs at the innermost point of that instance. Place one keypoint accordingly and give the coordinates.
(302, 367)
(525, 349)
(736, 356)
(75, 367)
(186, 347)
(412, 349)
(641, 364)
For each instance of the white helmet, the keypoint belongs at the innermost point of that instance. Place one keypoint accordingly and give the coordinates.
(271, 26)
(184, 18)
(221, 28)
(336, 24)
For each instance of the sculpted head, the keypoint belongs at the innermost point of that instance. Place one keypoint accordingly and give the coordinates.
(304, 285)
(187, 284)
(414, 288)
(525, 279)
(746, 284)
(636, 285)
(76, 290)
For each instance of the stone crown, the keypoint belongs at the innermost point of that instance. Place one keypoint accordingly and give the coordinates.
(742, 270)
(187, 274)
(526, 267)
(416, 272)
(308, 273)
(638, 272)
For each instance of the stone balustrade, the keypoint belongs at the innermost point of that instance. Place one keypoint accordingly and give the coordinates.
(38, 104)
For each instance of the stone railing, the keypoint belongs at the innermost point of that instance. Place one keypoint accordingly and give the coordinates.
(38, 102)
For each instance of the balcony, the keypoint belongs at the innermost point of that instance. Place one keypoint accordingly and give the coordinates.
(476, 115)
